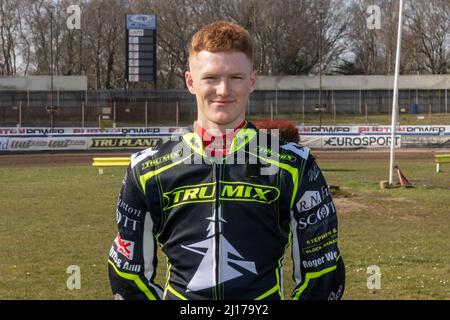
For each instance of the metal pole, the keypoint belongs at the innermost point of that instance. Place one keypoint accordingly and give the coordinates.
(114, 114)
(445, 100)
(429, 113)
(177, 114)
(334, 110)
(395, 97)
(367, 115)
(276, 108)
(334, 106)
(320, 69)
(146, 113)
(276, 96)
(82, 114)
(271, 110)
(20, 113)
(303, 106)
(360, 102)
(51, 68)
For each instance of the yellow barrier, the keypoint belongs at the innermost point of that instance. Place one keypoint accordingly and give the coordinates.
(110, 162)
(441, 158)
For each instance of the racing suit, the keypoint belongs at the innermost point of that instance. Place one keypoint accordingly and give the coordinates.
(225, 224)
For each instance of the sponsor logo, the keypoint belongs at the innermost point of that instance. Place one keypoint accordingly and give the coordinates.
(269, 152)
(27, 144)
(309, 200)
(126, 143)
(116, 130)
(313, 173)
(249, 192)
(125, 247)
(322, 237)
(321, 214)
(46, 143)
(44, 131)
(128, 209)
(234, 191)
(189, 194)
(231, 262)
(357, 141)
(115, 257)
(327, 257)
(324, 129)
(166, 158)
(140, 130)
(127, 222)
(131, 267)
(3, 145)
(325, 192)
(336, 295)
(127, 266)
(320, 247)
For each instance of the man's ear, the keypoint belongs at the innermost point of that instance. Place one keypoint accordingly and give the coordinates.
(189, 81)
(253, 77)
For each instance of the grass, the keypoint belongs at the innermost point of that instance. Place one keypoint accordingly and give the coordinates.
(52, 218)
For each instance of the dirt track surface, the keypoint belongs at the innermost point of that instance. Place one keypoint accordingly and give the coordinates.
(63, 159)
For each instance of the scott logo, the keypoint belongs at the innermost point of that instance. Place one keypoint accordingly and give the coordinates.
(230, 191)
(321, 214)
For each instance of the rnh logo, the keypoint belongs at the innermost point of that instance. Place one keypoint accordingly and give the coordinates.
(230, 191)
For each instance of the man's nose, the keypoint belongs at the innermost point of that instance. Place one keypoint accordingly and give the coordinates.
(223, 88)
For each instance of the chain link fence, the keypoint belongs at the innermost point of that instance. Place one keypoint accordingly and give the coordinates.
(106, 108)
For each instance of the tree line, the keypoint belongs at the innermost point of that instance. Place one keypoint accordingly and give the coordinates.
(291, 37)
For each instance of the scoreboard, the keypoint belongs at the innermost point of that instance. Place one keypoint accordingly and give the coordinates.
(140, 46)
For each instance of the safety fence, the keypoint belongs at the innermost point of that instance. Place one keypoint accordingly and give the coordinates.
(138, 138)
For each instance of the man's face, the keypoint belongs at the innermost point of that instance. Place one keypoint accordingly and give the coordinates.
(222, 83)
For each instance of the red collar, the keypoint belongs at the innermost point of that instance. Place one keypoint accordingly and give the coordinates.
(217, 144)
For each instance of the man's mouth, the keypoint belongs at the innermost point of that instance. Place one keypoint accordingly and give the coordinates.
(222, 101)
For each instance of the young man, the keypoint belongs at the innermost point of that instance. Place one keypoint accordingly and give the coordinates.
(210, 202)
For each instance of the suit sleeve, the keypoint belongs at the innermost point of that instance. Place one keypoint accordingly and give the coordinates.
(318, 268)
(132, 258)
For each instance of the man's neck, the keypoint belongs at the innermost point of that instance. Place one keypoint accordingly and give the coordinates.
(217, 129)
(214, 141)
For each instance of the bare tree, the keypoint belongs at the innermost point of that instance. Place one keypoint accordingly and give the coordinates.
(428, 24)
(9, 31)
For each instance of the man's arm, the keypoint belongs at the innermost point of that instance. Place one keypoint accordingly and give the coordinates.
(319, 270)
(132, 257)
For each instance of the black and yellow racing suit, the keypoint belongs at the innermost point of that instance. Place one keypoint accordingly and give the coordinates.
(225, 224)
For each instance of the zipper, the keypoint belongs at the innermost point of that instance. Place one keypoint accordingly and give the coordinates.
(217, 229)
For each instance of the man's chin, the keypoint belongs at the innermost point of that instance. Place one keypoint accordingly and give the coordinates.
(226, 122)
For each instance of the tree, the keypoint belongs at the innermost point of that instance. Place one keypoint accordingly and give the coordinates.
(428, 24)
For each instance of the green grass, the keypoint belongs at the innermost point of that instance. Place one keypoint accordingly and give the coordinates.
(52, 218)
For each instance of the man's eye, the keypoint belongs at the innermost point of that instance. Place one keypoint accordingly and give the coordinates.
(237, 77)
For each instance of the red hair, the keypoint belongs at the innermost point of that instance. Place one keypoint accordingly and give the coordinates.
(222, 36)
